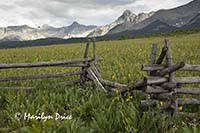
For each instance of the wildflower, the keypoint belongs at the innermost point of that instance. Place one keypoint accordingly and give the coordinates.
(113, 77)
(115, 99)
(161, 103)
(117, 91)
(129, 99)
(121, 66)
(180, 108)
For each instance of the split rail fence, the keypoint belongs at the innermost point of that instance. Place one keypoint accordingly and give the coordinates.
(161, 84)
(163, 88)
(88, 70)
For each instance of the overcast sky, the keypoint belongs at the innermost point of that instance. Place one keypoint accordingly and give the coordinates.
(64, 12)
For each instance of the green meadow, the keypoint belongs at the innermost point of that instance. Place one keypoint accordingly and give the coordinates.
(91, 109)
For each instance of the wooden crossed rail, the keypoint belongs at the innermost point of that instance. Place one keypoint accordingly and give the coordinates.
(88, 71)
(160, 84)
(87, 65)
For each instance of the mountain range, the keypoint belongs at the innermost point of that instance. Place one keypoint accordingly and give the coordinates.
(130, 24)
(24, 32)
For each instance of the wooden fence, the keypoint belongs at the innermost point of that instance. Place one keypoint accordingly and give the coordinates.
(160, 85)
(164, 86)
(88, 74)
(88, 70)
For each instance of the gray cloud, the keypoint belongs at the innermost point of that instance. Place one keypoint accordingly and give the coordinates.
(96, 3)
(64, 12)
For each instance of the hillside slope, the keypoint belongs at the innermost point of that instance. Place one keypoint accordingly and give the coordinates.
(177, 17)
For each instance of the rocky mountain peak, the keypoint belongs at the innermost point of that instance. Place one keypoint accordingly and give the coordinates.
(142, 16)
(185, 15)
(145, 14)
(127, 12)
(127, 16)
(75, 23)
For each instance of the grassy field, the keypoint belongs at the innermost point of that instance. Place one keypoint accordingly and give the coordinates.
(91, 111)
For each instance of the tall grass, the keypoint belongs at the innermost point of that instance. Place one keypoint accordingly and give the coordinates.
(92, 111)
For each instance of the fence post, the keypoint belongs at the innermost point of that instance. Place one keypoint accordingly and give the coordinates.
(86, 52)
(94, 66)
(153, 56)
(86, 49)
(171, 75)
(153, 60)
(153, 53)
(169, 59)
(94, 51)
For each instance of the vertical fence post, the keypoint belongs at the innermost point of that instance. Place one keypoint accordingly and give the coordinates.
(153, 59)
(94, 66)
(153, 56)
(86, 52)
(94, 51)
(169, 58)
(171, 75)
(153, 53)
(86, 49)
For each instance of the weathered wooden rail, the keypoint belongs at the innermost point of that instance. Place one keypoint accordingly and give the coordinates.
(160, 85)
(165, 90)
(88, 70)
(88, 74)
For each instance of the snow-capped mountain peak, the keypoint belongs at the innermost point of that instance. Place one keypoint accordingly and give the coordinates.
(127, 16)
(24, 32)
